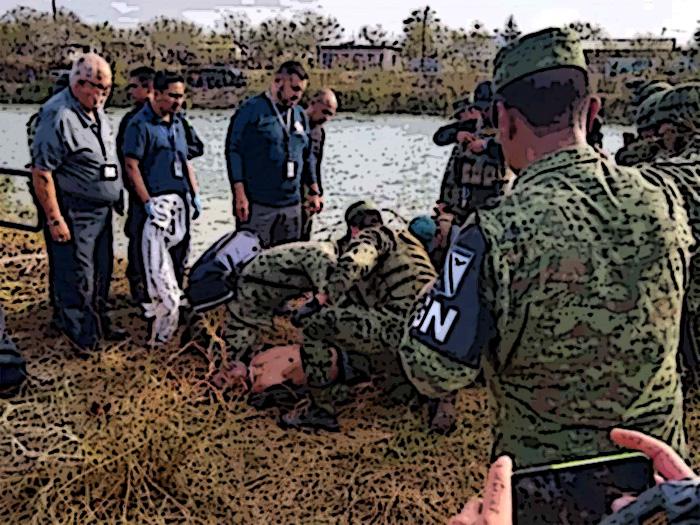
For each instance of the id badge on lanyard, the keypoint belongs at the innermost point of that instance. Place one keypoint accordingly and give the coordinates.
(286, 126)
(177, 167)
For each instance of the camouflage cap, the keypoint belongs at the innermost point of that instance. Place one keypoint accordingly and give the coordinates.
(551, 48)
(357, 211)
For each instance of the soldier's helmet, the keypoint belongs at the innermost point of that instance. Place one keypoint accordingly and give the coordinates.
(648, 115)
(362, 213)
(647, 89)
(681, 106)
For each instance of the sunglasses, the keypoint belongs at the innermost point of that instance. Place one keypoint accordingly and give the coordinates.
(96, 85)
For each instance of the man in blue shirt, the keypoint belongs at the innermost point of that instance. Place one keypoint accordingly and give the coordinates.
(155, 152)
(77, 184)
(140, 91)
(269, 158)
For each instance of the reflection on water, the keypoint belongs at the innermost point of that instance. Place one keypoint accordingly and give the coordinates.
(391, 159)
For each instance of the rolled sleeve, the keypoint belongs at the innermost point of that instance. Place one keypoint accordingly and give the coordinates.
(135, 138)
(49, 147)
(195, 146)
(234, 144)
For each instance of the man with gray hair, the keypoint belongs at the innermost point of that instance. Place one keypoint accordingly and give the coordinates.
(77, 183)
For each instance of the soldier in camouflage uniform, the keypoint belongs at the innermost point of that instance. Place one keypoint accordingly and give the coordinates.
(475, 171)
(645, 147)
(569, 293)
(675, 150)
(267, 283)
(369, 296)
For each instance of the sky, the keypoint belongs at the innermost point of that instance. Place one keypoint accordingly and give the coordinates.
(622, 18)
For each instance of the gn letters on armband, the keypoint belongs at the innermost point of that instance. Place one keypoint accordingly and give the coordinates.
(451, 320)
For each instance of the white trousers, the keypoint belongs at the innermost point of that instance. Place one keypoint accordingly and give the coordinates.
(165, 230)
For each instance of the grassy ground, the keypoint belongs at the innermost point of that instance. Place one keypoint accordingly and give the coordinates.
(137, 436)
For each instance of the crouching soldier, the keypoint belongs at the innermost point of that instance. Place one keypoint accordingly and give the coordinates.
(357, 322)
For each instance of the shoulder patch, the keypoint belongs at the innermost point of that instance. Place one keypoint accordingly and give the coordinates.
(459, 260)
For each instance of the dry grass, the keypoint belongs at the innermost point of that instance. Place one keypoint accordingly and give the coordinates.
(142, 437)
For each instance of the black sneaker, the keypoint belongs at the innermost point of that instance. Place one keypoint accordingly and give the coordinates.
(115, 334)
(286, 395)
(309, 416)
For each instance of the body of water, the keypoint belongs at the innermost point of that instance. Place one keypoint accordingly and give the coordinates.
(389, 158)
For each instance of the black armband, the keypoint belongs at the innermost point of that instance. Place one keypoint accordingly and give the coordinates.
(453, 320)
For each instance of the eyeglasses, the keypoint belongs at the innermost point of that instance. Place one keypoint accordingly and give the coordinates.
(96, 85)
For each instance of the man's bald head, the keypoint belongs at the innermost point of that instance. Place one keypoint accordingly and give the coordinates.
(91, 80)
(322, 107)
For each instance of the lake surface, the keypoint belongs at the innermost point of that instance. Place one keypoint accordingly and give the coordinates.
(390, 158)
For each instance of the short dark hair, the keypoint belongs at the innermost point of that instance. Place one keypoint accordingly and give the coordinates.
(143, 73)
(164, 78)
(547, 99)
(292, 67)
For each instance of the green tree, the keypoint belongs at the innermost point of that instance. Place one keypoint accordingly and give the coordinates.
(424, 37)
(588, 31)
(171, 43)
(375, 35)
(237, 27)
(277, 39)
(510, 31)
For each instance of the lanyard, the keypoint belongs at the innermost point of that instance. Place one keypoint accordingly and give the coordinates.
(285, 126)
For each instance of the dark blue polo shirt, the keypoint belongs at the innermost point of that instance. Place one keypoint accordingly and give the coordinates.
(158, 146)
(258, 149)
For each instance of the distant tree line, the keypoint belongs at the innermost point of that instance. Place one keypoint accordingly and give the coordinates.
(37, 40)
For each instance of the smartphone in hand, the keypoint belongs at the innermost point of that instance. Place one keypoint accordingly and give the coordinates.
(578, 492)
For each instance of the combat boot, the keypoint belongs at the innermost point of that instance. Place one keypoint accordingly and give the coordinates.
(309, 416)
(286, 396)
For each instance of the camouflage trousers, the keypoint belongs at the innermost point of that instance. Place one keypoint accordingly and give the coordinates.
(353, 329)
(251, 317)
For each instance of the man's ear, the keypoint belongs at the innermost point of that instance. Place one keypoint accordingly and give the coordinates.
(594, 105)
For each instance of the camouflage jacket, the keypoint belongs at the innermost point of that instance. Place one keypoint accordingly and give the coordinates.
(382, 268)
(297, 266)
(584, 275)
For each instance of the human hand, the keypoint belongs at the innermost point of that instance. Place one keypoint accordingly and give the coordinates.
(242, 207)
(59, 230)
(669, 466)
(465, 136)
(315, 204)
(477, 146)
(150, 209)
(497, 506)
(197, 203)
